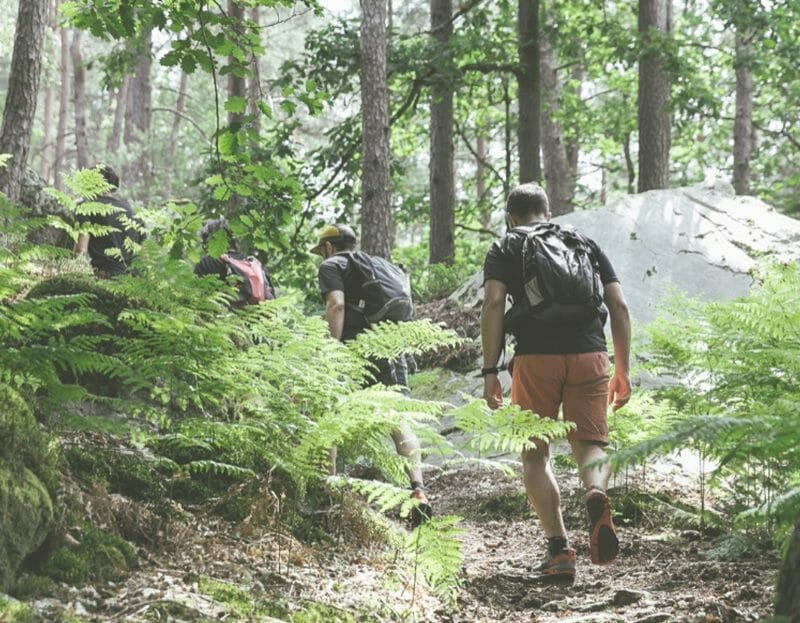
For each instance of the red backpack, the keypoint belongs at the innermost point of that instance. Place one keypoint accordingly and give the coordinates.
(256, 285)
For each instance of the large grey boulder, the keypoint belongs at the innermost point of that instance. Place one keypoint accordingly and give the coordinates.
(701, 240)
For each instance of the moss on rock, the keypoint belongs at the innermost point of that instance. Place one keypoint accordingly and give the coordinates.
(99, 556)
(26, 514)
(27, 471)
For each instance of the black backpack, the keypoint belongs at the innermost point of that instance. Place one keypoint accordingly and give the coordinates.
(384, 290)
(560, 277)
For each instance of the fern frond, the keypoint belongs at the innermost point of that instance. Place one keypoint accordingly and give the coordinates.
(435, 549)
(388, 340)
(217, 468)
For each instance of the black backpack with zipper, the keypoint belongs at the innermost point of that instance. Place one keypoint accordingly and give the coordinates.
(560, 278)
(384, 290)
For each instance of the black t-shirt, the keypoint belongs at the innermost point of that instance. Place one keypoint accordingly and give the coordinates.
(111, 264)
(335, 274)
(504, 263)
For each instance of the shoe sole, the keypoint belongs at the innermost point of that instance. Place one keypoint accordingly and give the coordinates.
(556, 578)
(603, 541)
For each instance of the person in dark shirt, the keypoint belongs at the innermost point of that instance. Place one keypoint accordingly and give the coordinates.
(339, 286)
(209, 265)
(558, 365)
(110, 254)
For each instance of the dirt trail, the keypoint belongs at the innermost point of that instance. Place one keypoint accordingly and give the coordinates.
(662, 573)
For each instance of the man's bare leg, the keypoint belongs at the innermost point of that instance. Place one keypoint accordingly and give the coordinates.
(407, 445)
(585, 453)
(542, 489)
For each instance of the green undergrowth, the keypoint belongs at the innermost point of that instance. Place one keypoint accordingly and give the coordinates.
(99, 556)
(13, 611)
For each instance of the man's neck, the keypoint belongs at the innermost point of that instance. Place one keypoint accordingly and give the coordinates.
(531, 222)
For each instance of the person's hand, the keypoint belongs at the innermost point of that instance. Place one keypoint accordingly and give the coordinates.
(492, 391)
(619, 390)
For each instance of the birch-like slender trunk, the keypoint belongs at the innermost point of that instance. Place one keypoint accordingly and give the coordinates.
(79, 102)
(180, 107)
(744, 135)
(115, 138)
(63, 109)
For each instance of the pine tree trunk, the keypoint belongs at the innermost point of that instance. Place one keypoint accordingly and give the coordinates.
(744, 138)
(180, 107)
(137, 114)
(528, 93)
(45, 159)
(254, 84)
(375, 214)
(787, 601)
(23, 89)
(115, 138)
(654, 92)
(63, 109)
(79, 102)
(557, 173)
(442, 171)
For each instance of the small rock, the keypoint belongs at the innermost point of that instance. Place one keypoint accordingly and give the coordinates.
(626, 597)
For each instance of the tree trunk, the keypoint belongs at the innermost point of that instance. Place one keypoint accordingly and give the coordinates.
(654, 91)
(137, 113)
(180, 107)
(787, 601)
(63, 110)
(115, 138)
(375, 213)
(45, 160)
(23, 89)
(442, 171)
(236, 83)
(79, 102)
(254, 85)
(744, 138)
(557, 174)
(528, 93)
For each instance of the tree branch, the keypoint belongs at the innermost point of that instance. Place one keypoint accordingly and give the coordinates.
(475, 155)
(178, 113)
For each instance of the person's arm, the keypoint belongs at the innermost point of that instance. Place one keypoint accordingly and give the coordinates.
(334, 312)
(619, 388)
(81, 245)
(494, 303)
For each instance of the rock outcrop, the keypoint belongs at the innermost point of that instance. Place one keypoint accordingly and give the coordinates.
(701, 240)
(26, 508)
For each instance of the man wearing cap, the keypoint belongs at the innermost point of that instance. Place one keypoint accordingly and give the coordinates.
(338, 285)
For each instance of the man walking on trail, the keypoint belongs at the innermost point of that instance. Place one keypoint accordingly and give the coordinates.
(109, 253)
(560, 360)
(341, 287)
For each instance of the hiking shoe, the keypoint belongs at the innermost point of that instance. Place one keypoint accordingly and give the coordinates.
(603, 542)
(557, 567)
(422, 511)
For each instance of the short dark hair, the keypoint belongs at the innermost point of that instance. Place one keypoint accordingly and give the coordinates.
(347, 238)
(109, 175)
(528, 200)
(212, 226)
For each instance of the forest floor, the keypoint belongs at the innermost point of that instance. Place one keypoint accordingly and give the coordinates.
(205, 569)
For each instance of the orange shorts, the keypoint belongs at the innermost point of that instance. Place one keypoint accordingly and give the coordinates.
(579, 382)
